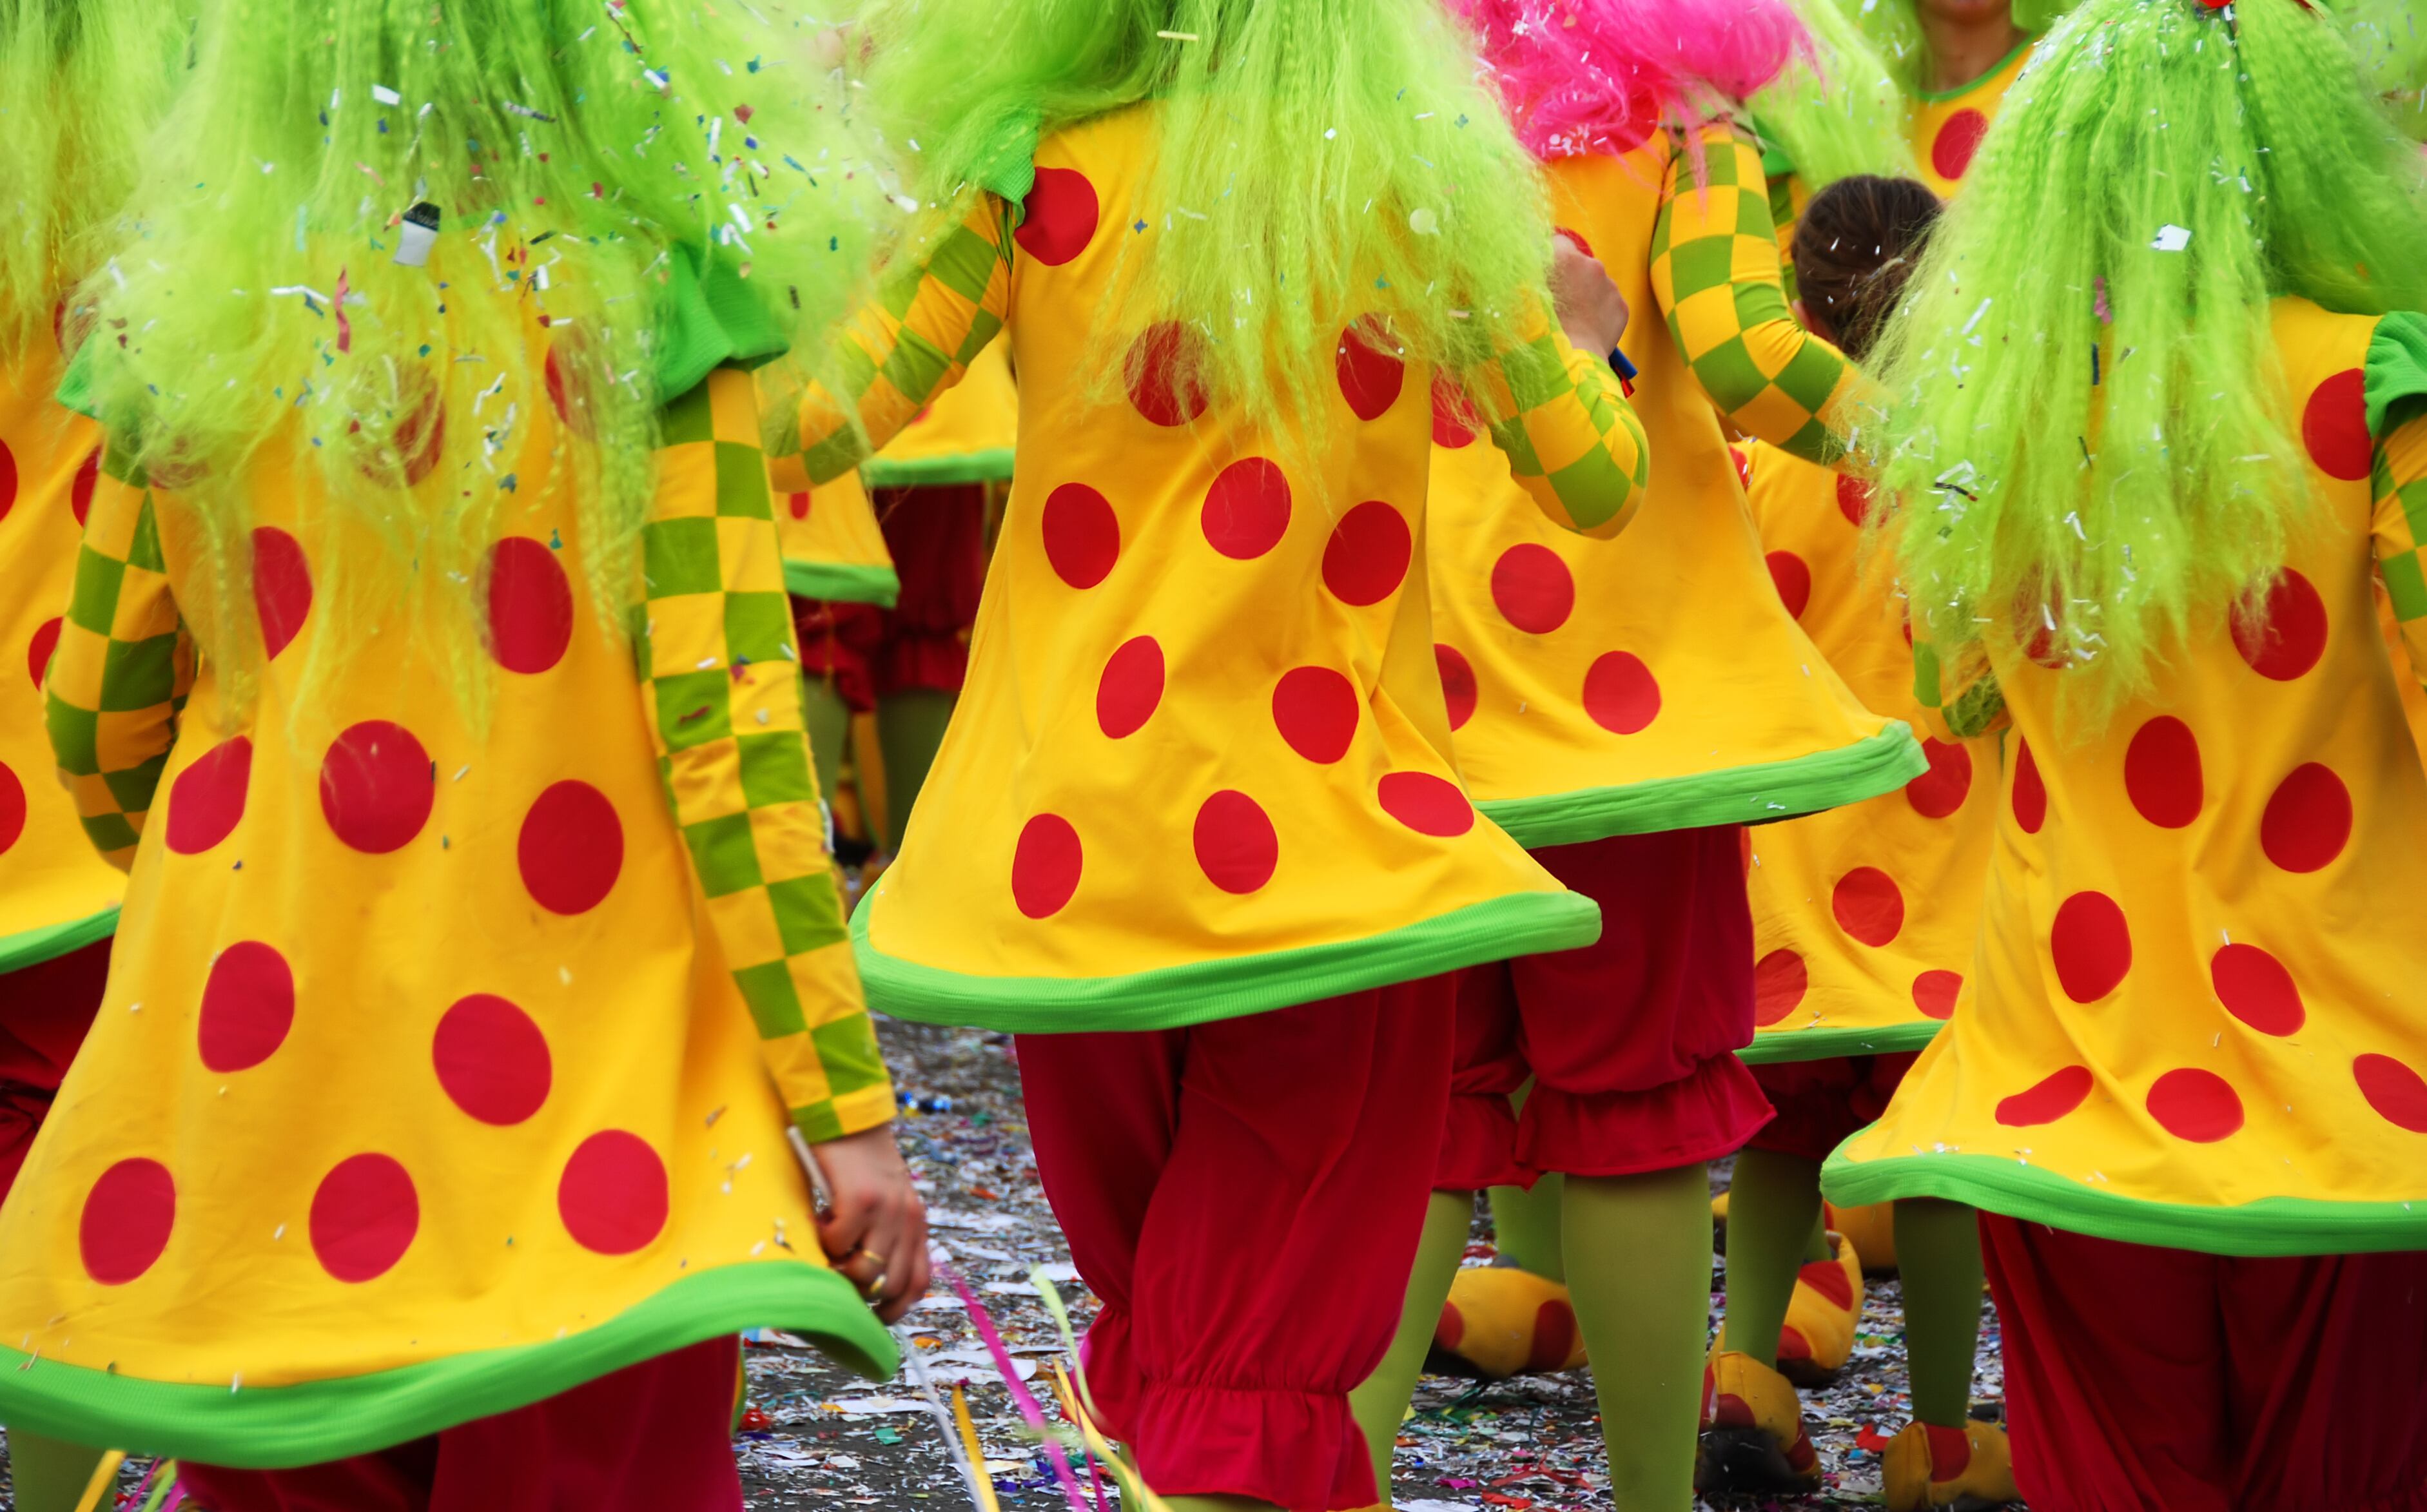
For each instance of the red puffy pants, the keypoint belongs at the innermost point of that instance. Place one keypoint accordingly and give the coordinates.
(1244, 1198)
(45, 1010)
(2141, 1380)
(656, 1436)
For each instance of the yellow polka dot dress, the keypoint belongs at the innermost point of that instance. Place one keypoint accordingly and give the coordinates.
(2192, 1020)
(439, 1069)
(1948, 125)
(57, 894)
(1200, 768)
(1654, 682)
(1864, 916)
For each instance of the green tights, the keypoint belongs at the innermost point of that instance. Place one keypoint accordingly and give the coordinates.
(50, 1474)
(1773, 1229)
(909, 726)
(1639, 1248)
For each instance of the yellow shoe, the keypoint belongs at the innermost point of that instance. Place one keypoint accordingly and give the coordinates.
(1753, 1431)
(1970, 1470)
(1873, 1230)
(1501, 1322)
(1719, 1224)
(1818, 1336)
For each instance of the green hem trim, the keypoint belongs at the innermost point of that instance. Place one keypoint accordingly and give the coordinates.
(1826, 1043)
(1732, 795)
(1944, 96)
(32, 947)
(2271, 1226)
(993, 465)
(843, 582)
(281, 1427)
(1526, 924)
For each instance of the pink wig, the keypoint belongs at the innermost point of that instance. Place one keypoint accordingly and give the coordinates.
(1598, 76)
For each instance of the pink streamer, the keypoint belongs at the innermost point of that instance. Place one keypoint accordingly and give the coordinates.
(1019, 1393)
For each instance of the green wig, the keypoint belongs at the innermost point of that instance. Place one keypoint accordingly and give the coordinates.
(1842, 111)
(2385, 38)
(81, 82)
(2084, 432)
(1312, 152)
(1894, 30)
(620, 173)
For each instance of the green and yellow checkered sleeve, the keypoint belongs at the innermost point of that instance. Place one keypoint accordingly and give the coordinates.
(2400, 484)
(121, 670)
(1716, 276)
(1572, 439)
(722, 677)
(927, 323)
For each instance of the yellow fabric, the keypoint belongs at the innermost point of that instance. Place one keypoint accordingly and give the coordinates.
(1027, 739)
(49, 875)
(1683, 590)
(1888, 948)
(2118, 1036)
(612, 953)
(979, 414)
(1947, 128)
(829, 523)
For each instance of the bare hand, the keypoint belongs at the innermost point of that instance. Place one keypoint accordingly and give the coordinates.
(1591, 309)
(877, 1233)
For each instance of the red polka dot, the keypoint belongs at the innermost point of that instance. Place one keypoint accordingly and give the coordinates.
(530, 605)
(82, 487)
(12, 809)
(1534, 589)
(1959, 137)
(613, 1196)
(1854, 499)
(207, 798)
(363, 1217)
(560, 395)
(1620, 694)
(1366, 558)
(8, 480)
(2045, 649)
(1316, 709)
(492, 1060)
(1743, 460)
(1370, 373)
(2308, 821)
(1426, 803)
(2048, 1101)
(282, 587)
(1451, 416)
(421, 437)
(1792, 577)
(799, 504)
(376, 787)
(2194, 1105)
(248, 1007)
(1868, 905)
(1458, 684)
(1130, 687)
(2294, 635)
(1247, 510)
(1045, 866)
(2031, 793)
(38, 650)
(1236, 847)
(1934, 993)
(571, 849)
(127, 1216)
(2333, 426)
(1941, 790)
(2254, 987)
(2397, 1092)
(1780, 980)
(1058, 218)
(2161, 772)
(1162, 369)
(2091, 946)
(1083, 537)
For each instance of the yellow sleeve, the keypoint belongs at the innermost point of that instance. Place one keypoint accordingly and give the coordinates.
(1572, 439)
(915, 340)
(722, 684)
(2401, 525)
(1716, 277)
(121, 670)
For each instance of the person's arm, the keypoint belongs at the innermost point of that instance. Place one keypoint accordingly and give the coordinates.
(1572, 438)
(121, 670)
(721, 683)
(927, 323)
(2396, 396)
(1716, 276)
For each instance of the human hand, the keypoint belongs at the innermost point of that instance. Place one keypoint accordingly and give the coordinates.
(1591, 309)
(876, 1231)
